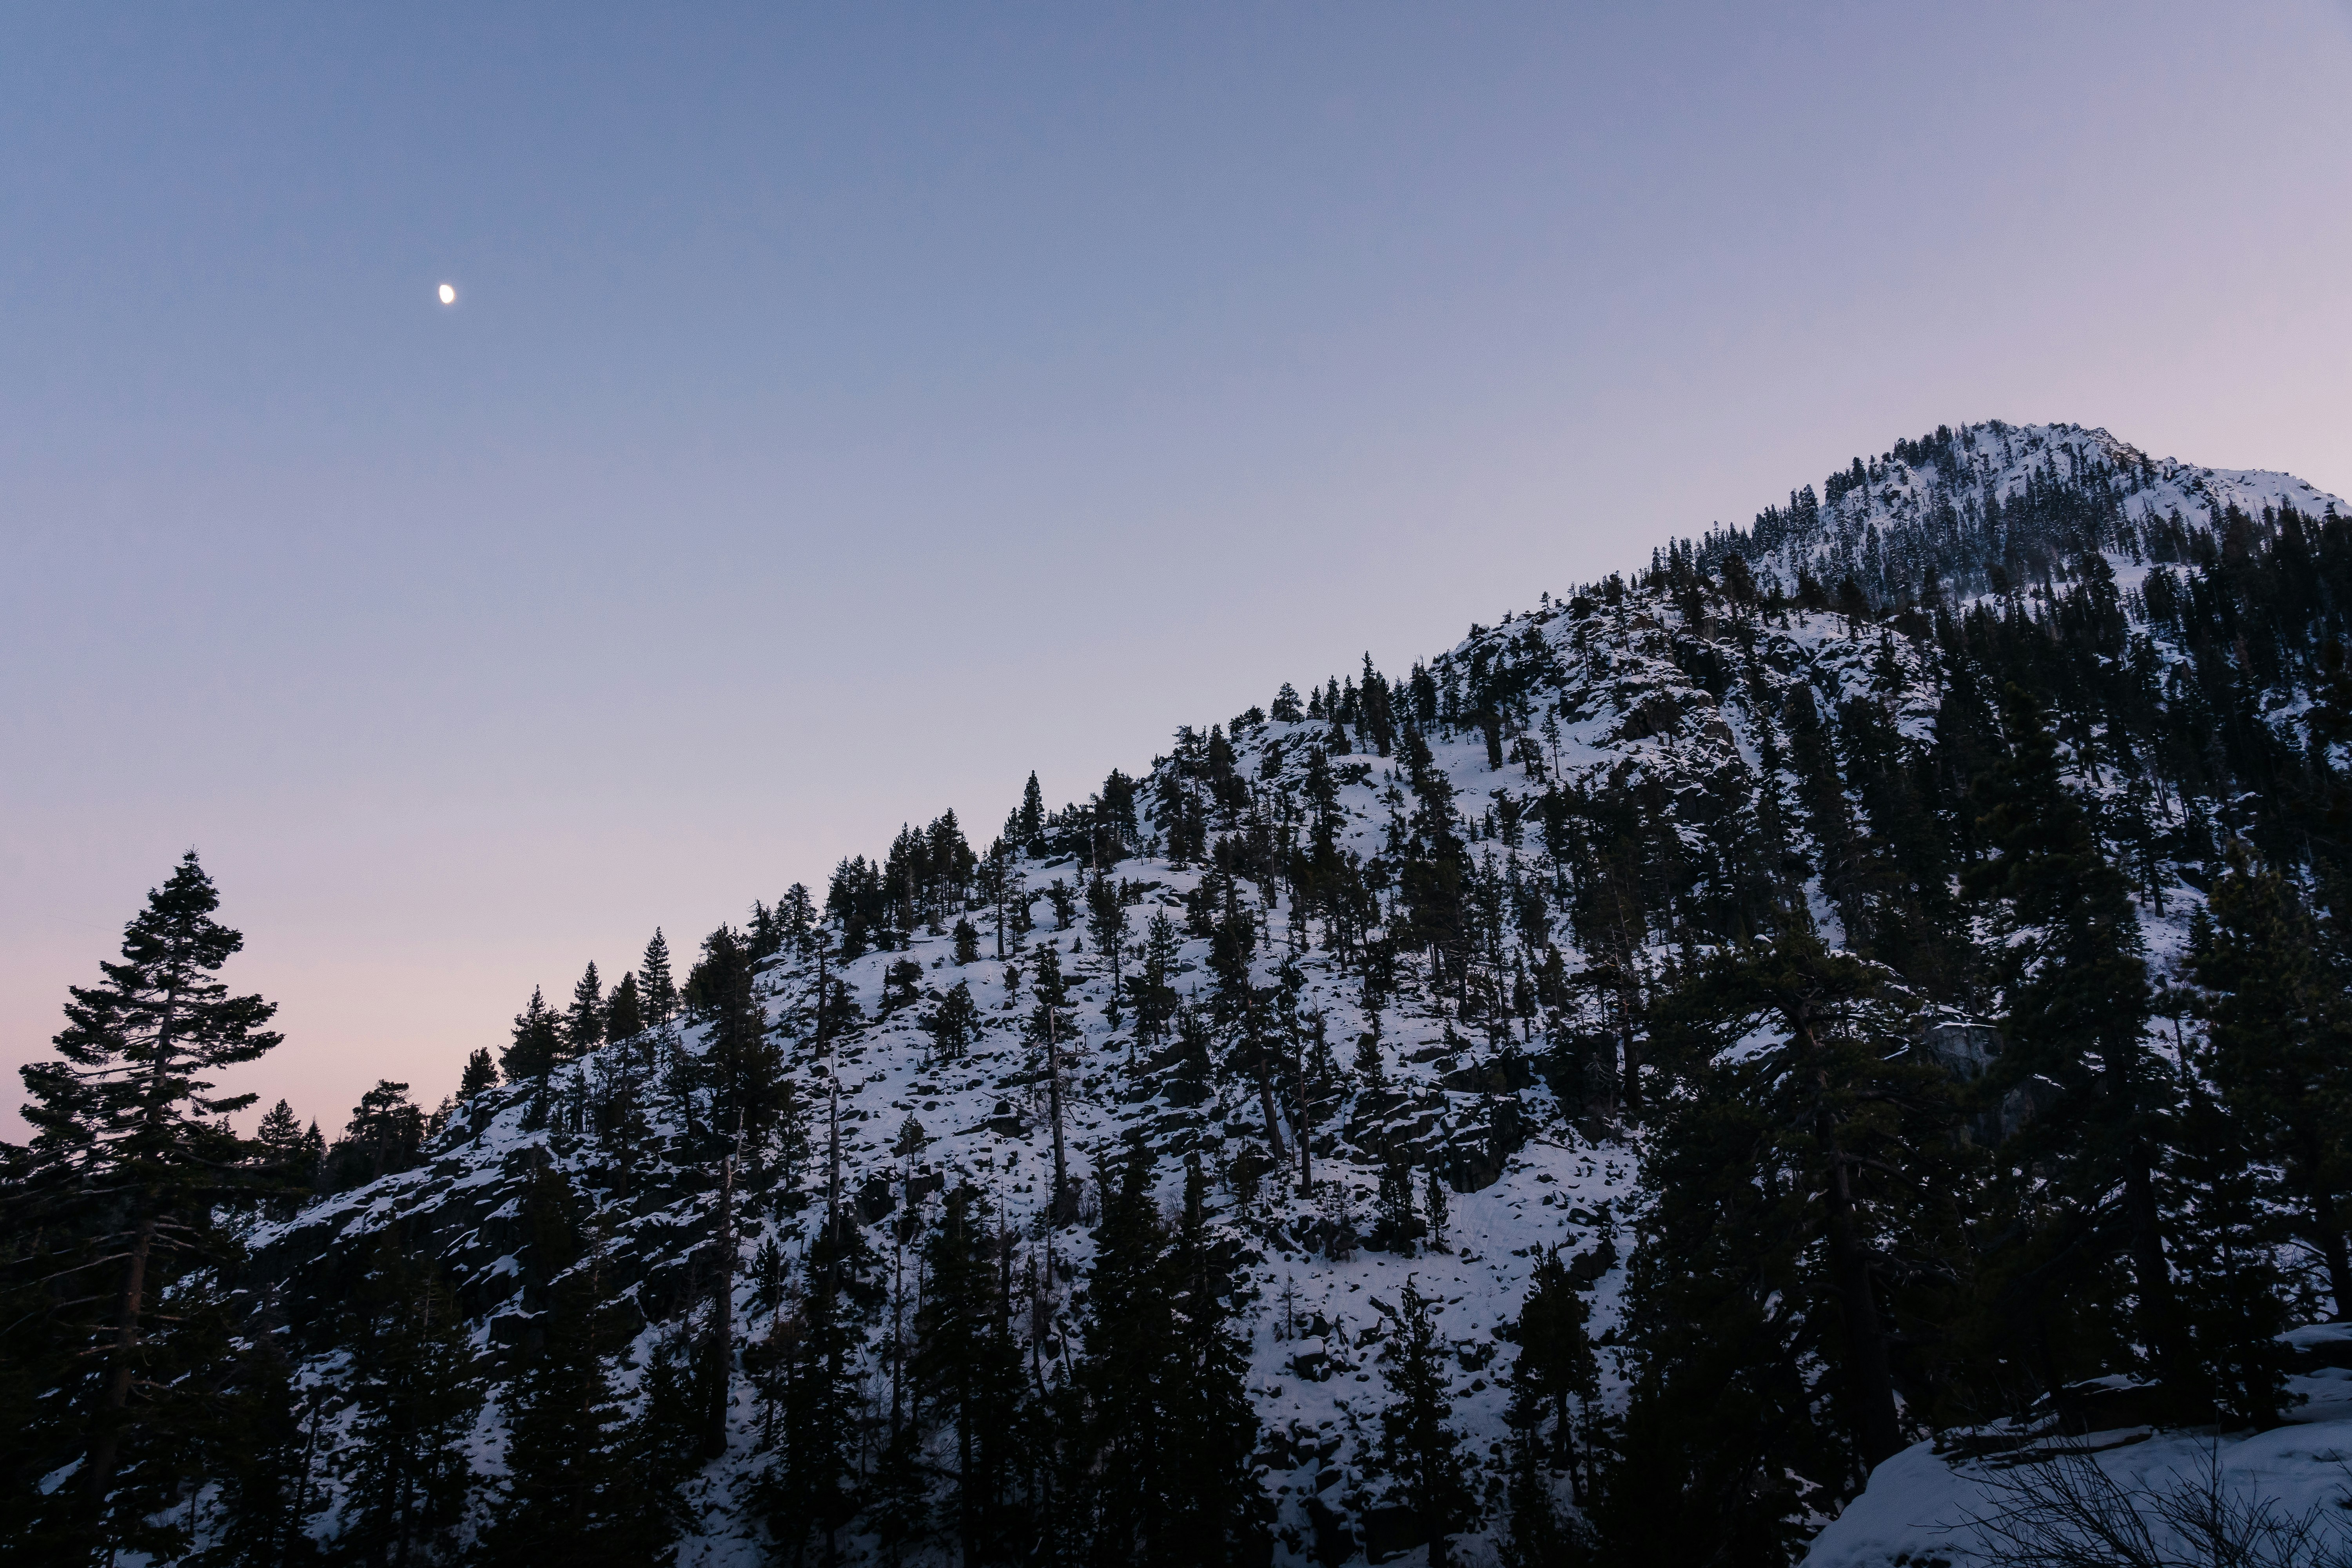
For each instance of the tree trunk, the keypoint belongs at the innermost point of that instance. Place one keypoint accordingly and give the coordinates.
(2154, 1274)
(2325, 1232)
(106, 1446)
(722, 1318)
(1870, 1379)
(1065, 1211)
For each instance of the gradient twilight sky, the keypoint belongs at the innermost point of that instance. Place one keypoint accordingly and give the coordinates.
(847, 410)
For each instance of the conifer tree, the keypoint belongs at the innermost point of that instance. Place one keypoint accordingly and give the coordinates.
(1556, 1363)
(2075, 983)
(1126, 1333)
(1029, 823)
(267, 1494)
(1107, 923)
(383, 1135)
(280, 1131)
(584, 1023)
(2282, 1035)
(954, 1024)
(1154, 988)
(967, 1371)
(414, 1392)
(1436, 1205)
(811, 1489)
(480, 1073)
(657, 986)
(740, 1060)
(536, 1045)
(1422, 1452)
(117, 1202)
(1046, 1028)
(624, 1016)
(1218, 1514)
(579, 1486)
(1803, 1233)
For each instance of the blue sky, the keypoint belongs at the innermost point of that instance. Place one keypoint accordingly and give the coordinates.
(846, 411)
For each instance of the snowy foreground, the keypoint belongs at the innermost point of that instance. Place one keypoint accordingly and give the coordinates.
(1923, 1507)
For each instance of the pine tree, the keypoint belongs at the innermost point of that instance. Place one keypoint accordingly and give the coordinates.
(2282, 1037)
(625, 1016)
(1107, 923)
(579, 1488)
(280, 1131)
(117, 1202)
(1556, 1363)
(954, 1024)
(267, 1494)
(1803, 1230)
(2075, 981)
(1154, 988)
(480, 1073)
(967, 1372)
(1127, 1330)
(536, 1046)
(583, 1022)
(1422, 1452)
(1398, 1226)
(383, 1136)
(656, 984)
(811, 1489)
(414, 1392)
(1217, 1512)
(1029, 823)
(740, 1059)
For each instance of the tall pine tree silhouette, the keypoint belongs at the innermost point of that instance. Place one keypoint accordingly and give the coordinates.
(119, 1197)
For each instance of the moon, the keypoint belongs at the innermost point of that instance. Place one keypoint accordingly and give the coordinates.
(448, 293)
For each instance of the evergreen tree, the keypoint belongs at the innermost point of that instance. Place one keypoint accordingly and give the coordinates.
(267, 1496)
(2282, 1039)
(954, 1024)
(583, 1024)
(812, 1486)
(116, 1204)
(656, 986)
(1106, 925)
(1154, 989)
(2075, 979)
(625, 1015)
(537, 1043)
(480, 1073)
(1803, 1222)
(967, 1372)
(1028, 824)
(287, 1154)
(1218, 1514)
(1127, 1329)
(741, 1058)
(414, 1393)
(383, 1135)
(1422, 1452)
(1556, 1365)
(578, 1487)
(280, 1132)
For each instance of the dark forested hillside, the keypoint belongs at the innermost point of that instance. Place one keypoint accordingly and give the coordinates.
(1866, 993)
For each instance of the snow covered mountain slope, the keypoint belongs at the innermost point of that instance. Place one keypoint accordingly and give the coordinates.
(1993, 498)
(1620, 773)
